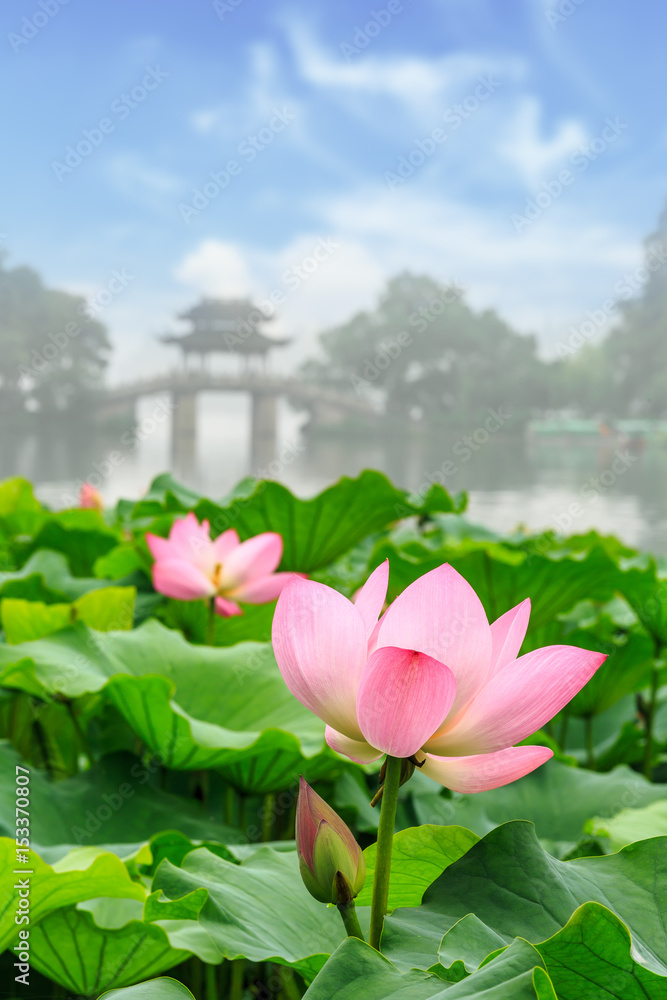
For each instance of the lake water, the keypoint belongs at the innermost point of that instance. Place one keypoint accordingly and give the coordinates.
(509, 481)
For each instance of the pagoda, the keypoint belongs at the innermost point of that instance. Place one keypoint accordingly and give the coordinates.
(225, 326)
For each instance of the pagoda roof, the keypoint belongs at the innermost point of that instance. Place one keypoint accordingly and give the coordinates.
(225, 325)
(236, 310)
(205, 341)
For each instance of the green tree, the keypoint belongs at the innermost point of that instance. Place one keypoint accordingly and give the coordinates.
(581, 383)
(636, 350)
(428, 355)
(52, 351)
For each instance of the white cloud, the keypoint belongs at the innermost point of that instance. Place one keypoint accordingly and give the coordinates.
(349, 279)
(540, 280)
(215, 269)
(138, 180)
(316, 294)
(423, 86)
(252, 103)
(525, 146)
(405, 77)
(549, 274)
(512, 129)
(436, 223)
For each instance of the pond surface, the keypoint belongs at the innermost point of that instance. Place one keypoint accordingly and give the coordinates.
(509, 481)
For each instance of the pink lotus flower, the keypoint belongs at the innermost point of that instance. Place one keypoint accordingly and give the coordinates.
(431, 680)
(90, 498)
(189, 565)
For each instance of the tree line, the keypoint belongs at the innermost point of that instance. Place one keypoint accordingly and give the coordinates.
(423, 354)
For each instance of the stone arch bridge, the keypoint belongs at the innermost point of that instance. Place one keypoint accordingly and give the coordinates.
(327, 407)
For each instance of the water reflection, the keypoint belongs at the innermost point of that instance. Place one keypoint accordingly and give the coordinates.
(509, 480)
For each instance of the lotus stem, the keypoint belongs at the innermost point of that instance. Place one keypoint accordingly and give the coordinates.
(650, 717)
(204, 782)
(242, 821)
(78, 730)
(40, 737)
(196, 968)
(210, 623)
(268, 810)
(385, 840)
(211, 974)
(236, 979)
(349, 914)
(290, 990)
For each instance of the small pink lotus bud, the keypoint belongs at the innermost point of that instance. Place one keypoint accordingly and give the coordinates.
(90, 498)
(332, 865)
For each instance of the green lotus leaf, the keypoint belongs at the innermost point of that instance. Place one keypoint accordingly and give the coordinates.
(591, 957)
(46, 576)
(314, 532)
(195, 706)
(16, 495)
(170, 493)
(627, 669)
(191, 617)
(81, 535)
(518, 890)
(83, 873)
(558, 799)
(468, 943)
(357, 970)
(259, 909)
(120, 561)
(419, 856)
(111, 608)
(71, 948)
(646, 593)
(156, 989)
(503, 577)
(42, 733)
(21, 513)
(116, 803)
(157, 907)
(631, 825)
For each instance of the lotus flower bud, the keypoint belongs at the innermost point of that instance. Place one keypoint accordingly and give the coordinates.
(90, 498)
(332, 865)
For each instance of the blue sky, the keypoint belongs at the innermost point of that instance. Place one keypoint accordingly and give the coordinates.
(535, 83)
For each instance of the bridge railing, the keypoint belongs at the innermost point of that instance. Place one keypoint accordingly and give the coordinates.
(286, 385)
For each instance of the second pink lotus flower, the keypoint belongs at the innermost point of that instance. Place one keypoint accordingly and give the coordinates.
(190, 565)
(430, 680)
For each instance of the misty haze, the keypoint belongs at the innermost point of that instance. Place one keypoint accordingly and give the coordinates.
(465, 296)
